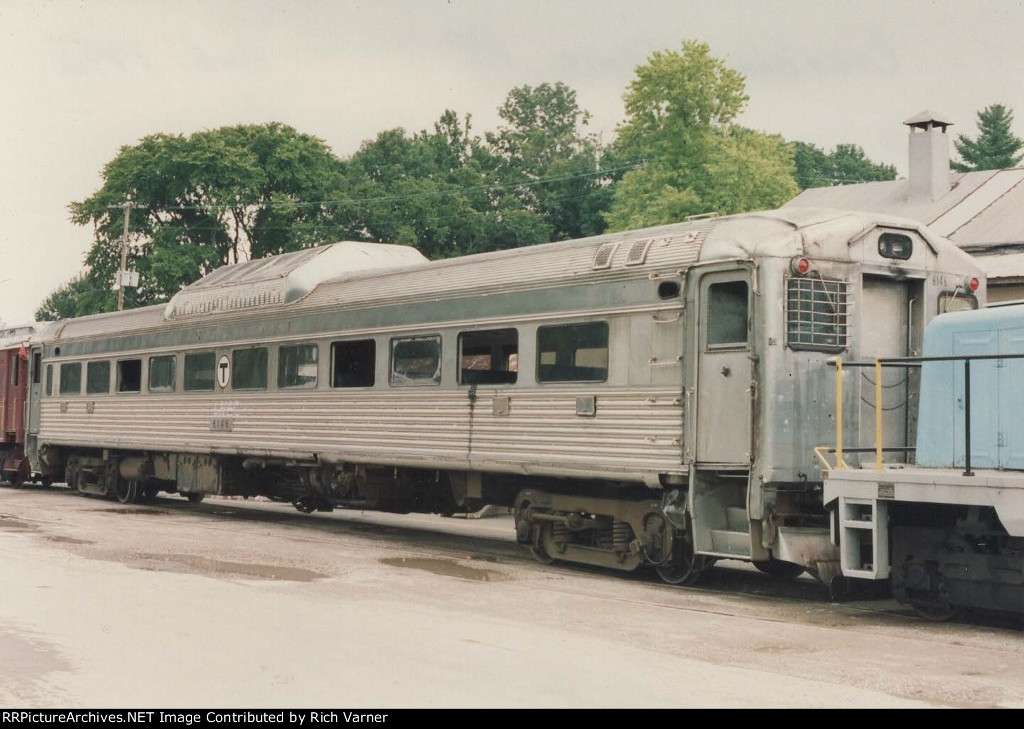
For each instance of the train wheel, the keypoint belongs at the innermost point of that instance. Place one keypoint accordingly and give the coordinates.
(779, 570)
(194, 498)
(127, 490)
(537, 548)
(684, 567)
(937, 612)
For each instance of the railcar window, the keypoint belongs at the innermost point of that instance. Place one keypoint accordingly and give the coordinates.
(416, 361)
(37, 365)
(49, 380)
(895, 245)
(573, 353)
(956, 301)
(161, 373)
(97, 377)
(727, 314)
(249, 369)
(353, 363)
(199, 371)
(129, 375)
(816, 314)
(71, 378)
(489, 358)
(296, 365)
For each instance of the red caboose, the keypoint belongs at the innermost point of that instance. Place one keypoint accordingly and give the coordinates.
(13, 392)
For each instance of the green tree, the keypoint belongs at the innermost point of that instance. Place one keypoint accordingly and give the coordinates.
(846, 164)
(438, 190)
(542, 143)
(79, 296)
(680, 110)
(204, 200)
(996, 147)
(749, 170)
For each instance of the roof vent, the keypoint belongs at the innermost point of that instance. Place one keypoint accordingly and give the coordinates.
(603, 257)
(638, 251)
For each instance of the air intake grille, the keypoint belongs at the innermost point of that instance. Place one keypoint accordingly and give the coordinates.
(603, 257)
(638, 251)
(817, 315)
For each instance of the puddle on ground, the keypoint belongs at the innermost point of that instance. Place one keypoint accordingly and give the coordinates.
(26, 659)
(219, 568)
(70, 540)
(132, 510)
(445, 567)
(9, 522)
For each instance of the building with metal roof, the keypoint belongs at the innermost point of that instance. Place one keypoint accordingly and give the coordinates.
(982, 212)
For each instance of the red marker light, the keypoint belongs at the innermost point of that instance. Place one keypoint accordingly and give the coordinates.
(800, 265)
(973, 283)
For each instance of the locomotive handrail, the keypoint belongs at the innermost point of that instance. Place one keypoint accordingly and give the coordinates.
(916, 361)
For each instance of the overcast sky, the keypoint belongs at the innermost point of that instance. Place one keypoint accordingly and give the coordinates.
(82, 78)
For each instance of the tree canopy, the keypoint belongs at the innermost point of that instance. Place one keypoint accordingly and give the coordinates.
(844, 165)
(542, 146)
(996, 146)
(215, 197)
(680, 109)
(201, 201)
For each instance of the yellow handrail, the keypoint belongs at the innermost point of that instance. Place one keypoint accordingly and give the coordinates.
(840, 461)
(878, 414)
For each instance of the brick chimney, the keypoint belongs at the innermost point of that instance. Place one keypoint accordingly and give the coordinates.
(928, 175)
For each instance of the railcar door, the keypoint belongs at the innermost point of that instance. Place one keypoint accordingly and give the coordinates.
(34, 390)
(724, 369)
(889, 327)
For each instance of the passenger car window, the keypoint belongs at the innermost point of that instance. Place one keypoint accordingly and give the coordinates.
(97, 377)
(416, 361)
(296, 365)
(489, 357)
(161, 373)
(573, 353)
(353, 363)
(129, 375)
(249, 369)
(71, 378)
(956, 301)
(199, 371)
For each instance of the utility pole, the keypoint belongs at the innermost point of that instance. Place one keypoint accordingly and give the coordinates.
(126, 206)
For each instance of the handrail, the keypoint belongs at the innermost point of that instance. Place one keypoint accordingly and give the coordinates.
(917, 361)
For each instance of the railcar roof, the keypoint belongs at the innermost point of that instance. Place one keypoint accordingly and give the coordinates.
(349, 273)
(15, 336)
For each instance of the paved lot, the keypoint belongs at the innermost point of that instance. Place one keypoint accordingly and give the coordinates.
(231, 604)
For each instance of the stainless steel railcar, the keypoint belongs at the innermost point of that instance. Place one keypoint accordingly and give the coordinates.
(651, 397)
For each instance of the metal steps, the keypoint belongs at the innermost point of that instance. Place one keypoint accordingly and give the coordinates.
(734, 540)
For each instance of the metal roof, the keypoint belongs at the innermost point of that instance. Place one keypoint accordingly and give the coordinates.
(611, 256)
(284, 278)
(928, 117)
(15, 336)
(981, 209)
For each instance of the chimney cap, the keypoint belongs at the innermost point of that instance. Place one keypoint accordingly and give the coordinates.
(927, 119)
